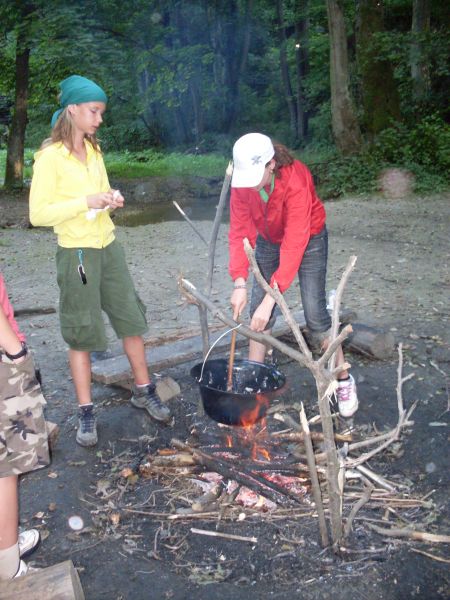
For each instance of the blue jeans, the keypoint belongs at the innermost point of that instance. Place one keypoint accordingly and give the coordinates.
(311, 276)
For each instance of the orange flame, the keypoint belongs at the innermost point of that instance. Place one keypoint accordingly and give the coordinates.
(253, 427)
(250, 417)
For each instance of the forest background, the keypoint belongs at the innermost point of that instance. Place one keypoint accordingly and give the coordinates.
(353, 86)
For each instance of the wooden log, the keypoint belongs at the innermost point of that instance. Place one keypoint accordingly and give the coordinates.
(58, 582)
(372, 342)
(35, 310)
(117, 370)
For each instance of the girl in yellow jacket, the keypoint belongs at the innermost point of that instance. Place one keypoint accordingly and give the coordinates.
(70, 192)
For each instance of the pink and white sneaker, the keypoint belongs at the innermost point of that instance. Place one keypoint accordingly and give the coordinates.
(347, 397)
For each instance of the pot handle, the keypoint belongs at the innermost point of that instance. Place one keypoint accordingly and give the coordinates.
(209, 351)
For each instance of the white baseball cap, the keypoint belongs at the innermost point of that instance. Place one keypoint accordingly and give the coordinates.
(251, 153)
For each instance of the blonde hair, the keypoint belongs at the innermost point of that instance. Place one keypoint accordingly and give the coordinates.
(63, 132)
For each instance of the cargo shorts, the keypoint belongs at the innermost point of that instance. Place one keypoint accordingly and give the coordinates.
(23, 432)
(108, 287)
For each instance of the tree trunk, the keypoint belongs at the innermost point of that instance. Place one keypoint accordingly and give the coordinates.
(16, 138)
(420, 72)
(285, 77)
(344, 122)
(302, 68)
(379, 92)
(197, 111)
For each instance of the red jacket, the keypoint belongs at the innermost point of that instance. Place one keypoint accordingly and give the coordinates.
(292, 214)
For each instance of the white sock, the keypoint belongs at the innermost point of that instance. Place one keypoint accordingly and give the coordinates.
(9, 561)
(142, 385)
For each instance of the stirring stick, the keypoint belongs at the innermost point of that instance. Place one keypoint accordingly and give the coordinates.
(231, 361)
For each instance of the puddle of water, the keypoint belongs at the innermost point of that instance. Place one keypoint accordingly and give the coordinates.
(136, 214)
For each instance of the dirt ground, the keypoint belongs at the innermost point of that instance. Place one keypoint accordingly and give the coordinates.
(400, 283)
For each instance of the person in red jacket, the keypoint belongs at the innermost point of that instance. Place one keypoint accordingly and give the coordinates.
(274, 204)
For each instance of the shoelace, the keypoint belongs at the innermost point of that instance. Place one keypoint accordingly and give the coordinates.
(343, 393)
(155, 400)
(87, 421)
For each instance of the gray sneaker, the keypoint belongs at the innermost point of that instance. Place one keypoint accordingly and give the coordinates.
(87, 426)
(146, 397)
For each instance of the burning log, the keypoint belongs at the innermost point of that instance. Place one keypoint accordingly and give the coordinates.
(255, 482)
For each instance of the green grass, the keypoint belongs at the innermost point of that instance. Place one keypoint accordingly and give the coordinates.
(148, 163)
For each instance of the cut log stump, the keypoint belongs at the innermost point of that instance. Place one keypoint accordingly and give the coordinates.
(58, 582)
(166, 387)
(372, 342)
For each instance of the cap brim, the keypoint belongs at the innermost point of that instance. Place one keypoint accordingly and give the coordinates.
(247, 178)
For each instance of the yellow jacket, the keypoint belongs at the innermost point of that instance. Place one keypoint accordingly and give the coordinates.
(58, 196)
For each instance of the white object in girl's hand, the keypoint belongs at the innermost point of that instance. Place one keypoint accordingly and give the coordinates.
(92, 212)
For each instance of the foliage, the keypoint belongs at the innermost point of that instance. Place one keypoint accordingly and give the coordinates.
(423, 149)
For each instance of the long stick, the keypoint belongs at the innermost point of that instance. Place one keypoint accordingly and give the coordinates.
(231, 361)
(314, 478)
(184, 215)
(423, 536)
(227, 536)
(363, 500)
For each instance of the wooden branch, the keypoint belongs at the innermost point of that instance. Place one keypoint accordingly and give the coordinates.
(227, 536)
(191, 291)
(411, 534)
(363, 500)
(337, 304)
(335, 344)
(403, 418)
(215, 228)
(382, 482)
(432, 556)
(332, 463)
(317, 494)
(184, 215)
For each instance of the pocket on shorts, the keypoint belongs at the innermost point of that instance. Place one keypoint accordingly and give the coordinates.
(76, 327)
(23, 443)
(17, 379)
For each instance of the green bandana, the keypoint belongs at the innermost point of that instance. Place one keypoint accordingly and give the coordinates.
(76, 90)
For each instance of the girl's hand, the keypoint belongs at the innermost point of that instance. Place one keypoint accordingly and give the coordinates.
(100, 200)
(117, 200)
(238, 301)
(262, 314)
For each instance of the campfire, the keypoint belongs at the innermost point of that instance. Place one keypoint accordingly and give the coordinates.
(246, 465)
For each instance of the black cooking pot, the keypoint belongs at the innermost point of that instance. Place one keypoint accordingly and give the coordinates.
(254, 384)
